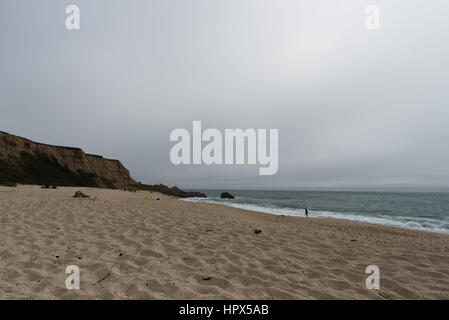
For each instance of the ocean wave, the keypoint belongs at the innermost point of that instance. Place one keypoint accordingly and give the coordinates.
(416, 223)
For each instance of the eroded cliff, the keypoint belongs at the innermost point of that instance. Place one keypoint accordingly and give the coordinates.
(27, 162)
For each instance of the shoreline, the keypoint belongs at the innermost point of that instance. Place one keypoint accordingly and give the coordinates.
(327, 219)
(272, 211)
(128, 247)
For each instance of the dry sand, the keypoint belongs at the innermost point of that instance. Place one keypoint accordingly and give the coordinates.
(130, 248)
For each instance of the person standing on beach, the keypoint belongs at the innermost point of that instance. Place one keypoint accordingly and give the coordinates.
(307, 212)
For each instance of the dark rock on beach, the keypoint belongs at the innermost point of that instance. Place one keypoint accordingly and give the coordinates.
(79, 194)
(173, 191)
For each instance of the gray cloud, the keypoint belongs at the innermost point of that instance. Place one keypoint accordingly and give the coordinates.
(354, 108)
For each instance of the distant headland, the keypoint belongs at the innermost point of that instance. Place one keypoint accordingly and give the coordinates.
(23, 161)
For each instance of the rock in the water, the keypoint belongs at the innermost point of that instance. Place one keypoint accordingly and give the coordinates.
(226, 195)
(79, 194)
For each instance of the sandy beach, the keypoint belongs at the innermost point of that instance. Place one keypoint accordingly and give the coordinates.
(128, 247)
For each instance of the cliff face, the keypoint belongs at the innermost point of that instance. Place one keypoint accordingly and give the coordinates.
(27, 162)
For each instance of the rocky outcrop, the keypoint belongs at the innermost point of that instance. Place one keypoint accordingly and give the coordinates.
(173, 191)
(226, 195)
(27, 162)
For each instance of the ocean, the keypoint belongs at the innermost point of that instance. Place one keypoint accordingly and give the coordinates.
(421, 211)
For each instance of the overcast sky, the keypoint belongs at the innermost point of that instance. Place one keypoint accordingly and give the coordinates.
(355, 109)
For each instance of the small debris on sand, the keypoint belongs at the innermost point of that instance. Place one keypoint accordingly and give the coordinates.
(257, 231)
(79, 194)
